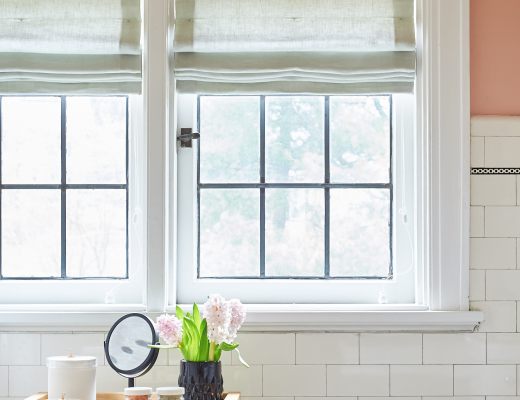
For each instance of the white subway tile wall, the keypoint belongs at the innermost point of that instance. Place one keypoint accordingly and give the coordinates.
(359, 366)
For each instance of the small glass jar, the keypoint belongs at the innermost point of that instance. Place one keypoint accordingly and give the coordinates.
(138, 393)
(170, 393)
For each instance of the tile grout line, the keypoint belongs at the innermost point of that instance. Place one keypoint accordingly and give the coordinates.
(453, 379)
(516, 379)
(326, 380)
(422, 348)
(262, 378)
(486, 347)
(359, 348)
(389, 382)
(295, 347)
(485, 284)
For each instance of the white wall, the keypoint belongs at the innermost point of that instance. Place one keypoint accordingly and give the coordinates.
(368, 366)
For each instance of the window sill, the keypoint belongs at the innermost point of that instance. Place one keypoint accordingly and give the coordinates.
(368, 318)
(260, 318)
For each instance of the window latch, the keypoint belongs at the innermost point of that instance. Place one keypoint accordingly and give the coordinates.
(186, 137)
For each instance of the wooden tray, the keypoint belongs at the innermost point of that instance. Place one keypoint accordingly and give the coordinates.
(121, 396)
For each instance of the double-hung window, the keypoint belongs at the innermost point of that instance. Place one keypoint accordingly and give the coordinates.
(300, 188)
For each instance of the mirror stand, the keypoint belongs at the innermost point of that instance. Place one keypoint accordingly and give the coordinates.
(126, 346)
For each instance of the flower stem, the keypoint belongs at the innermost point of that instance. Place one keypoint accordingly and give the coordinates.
(211, 351)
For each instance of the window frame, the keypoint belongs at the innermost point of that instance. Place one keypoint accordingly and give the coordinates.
(443, 121)
(283, 290)
(37, 293)
(326, 184)
(64, 188)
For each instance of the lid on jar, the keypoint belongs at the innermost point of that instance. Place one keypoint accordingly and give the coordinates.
(71, 361)
(170, 391)
(138, 391)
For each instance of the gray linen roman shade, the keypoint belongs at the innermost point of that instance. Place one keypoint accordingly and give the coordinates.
(70, 46)
(294, 46)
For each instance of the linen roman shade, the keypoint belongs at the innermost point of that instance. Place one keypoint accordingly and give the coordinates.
(294, 46)
(70, 46)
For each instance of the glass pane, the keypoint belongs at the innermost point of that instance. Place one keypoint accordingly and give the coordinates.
(359, 139)
(294, 232)
(359, 232)
(229, 232)
(96, 140)
(294, 139)
(96, 233)
(31, 140)
(31, 232)
(229, 139)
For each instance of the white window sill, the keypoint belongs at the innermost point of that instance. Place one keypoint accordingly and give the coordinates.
(260, 318)
(370, 318)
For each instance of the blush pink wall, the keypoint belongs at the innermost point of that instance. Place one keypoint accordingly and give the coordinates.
(495, 57)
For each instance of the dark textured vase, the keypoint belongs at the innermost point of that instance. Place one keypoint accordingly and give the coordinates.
(201, 380)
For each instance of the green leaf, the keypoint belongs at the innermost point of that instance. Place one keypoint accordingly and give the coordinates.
(196, 314)
(191, 342)
(179, 313)
(204, 342)
(218, 353)
(228, 347)
(193, 331)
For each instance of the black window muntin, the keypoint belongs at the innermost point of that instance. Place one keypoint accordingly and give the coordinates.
(326, 185)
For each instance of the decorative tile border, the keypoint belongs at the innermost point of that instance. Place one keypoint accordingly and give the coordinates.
(495, 171)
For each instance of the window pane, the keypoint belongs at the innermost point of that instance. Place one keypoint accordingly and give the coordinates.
(359, 232)
(96, 140)
(31, 233)
(359, 139)
(294, 232)
(31, 138)
(96, 233)
(294, 139)
(229, 139)
(229, 232)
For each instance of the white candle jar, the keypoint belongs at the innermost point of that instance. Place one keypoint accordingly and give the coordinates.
(72, 377)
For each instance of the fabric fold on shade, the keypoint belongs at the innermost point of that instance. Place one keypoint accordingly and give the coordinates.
(296, 72)
(294, 46)
(70, 46)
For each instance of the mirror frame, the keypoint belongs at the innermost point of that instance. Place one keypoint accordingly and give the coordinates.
(150, 360)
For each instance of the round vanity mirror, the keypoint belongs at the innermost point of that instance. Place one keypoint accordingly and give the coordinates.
(126, 346)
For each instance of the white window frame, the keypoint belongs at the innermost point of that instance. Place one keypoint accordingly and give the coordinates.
(442, 96)
(443, 124)
(23, 294)
(400, 291)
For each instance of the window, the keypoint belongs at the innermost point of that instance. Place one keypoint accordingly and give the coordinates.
(73, 155)
(298, 193)
(71, 196)
(428, 197)
(295, 187)
(64, 192)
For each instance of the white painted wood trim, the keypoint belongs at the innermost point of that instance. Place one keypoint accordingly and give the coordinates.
(444, 121)
(259, 319)
(156, 106)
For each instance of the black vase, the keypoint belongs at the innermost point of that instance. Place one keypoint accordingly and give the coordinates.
(201, 380)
